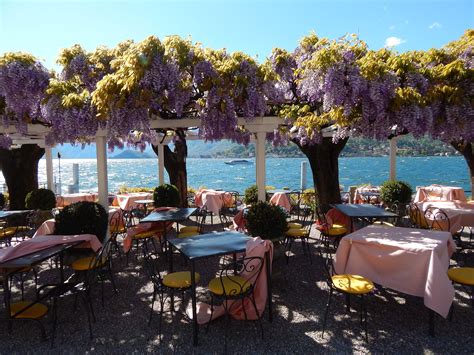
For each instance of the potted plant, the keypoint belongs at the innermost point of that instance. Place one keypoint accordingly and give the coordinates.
(43, 201)
(166, 195)
(396, 192)
(82, 217)
(251, 195)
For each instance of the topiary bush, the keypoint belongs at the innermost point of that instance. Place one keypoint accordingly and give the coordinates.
(40, 199)
(82, 217)
(266, 221)
(251, 195)
(392, 191)
(166, 195)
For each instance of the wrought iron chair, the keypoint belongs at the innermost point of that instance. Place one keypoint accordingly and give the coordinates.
(300, 229)
(437, 219)
(463, 276)
(234, 285)
(117, 227)
(329, 232)
(88, 271)
(166, 284)
(347, 284)
(226, 213)
(417, 218)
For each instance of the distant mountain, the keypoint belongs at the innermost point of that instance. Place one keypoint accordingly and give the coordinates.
(132, 154)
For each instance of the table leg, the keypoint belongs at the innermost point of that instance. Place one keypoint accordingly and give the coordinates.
(431, 329)
(6, 292)
(269, 287)
(193, 296)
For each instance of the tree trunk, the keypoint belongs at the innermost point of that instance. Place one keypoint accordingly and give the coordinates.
(467, 150)
(175, 165)
(20, 169)
(323, 158)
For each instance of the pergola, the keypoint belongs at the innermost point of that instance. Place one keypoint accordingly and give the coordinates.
(259, 126)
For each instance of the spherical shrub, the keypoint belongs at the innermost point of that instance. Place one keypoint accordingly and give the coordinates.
(166, 195)
(395, 191)
(82, 217)
(266, 221)
(251, 195)
(40, 199)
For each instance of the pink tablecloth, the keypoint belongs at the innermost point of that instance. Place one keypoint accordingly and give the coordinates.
(255, 247)
(68, 199)
(372, 191)
(42, 242)
(213, 200)
(127, 201)
(281, 199)
(460, 214)
(412, 261)
(440, 193)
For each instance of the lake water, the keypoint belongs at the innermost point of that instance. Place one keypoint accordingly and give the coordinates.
(281, 172)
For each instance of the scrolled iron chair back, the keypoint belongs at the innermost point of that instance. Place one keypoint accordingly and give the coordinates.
(437, 219)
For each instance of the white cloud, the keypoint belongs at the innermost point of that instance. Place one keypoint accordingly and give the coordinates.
(434, 25)
(393, 41)
(391, 28)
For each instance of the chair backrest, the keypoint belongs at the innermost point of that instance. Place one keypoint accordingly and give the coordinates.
(133, 216)
(437, 219)
(395, 208)
(150, 264)
(417, 218)
(99, 261)
(117, 223)
(248, 268)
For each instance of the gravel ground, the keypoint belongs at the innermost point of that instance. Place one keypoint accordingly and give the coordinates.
(397, 323)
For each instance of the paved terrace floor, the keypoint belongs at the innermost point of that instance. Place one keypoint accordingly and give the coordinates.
(397, 323)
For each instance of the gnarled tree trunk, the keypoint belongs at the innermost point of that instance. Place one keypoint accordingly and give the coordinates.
(20, 169)
(467, 150)
(175, 165)
(323, 158)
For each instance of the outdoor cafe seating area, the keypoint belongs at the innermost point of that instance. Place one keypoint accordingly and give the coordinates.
(358, 276)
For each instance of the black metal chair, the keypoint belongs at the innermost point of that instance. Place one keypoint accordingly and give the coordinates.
(117, 228)
(235, 284)
(162, 285)
(437, 219)
(299, 229)
(347, 284)
(417, 218)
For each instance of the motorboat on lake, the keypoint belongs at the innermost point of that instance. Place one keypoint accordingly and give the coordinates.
(238, 162)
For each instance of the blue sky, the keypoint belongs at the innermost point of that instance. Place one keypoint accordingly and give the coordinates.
(255, 27)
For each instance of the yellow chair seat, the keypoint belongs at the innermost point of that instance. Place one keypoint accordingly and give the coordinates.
(8, 232)
(188, 229)
(84, 264)
(36, 311)
(181, 279)
(336, 230)
(147, 234)
(462, 275)
(297, 233)
(294, 225)
(353, 284)
(233, 285)
(188, 234)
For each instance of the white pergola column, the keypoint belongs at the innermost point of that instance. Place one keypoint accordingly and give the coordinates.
(49, 168)
(260, 164)
(102, 179)
(161, 164)
(393, 159)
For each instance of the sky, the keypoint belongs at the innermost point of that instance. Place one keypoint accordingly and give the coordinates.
(255, 27)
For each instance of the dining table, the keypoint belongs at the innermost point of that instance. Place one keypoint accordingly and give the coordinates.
(460, 214)
(281, 199)
(213, 200)
(439, 193)
(129, 200)
(366, 212)
(408, 260)
(367, 194)
(32, 252)
(210, 245)
(68, 199)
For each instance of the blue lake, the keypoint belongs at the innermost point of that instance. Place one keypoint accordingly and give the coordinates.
(281, 172)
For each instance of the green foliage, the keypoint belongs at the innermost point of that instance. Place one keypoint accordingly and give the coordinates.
(40, 199)
(309, 198)
(82, 217)
(123, 189)
(251, 195)
(266, 221)
(392, 191)
(166, 195)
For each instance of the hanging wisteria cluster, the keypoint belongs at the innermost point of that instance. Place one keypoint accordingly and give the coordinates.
(322, 83)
